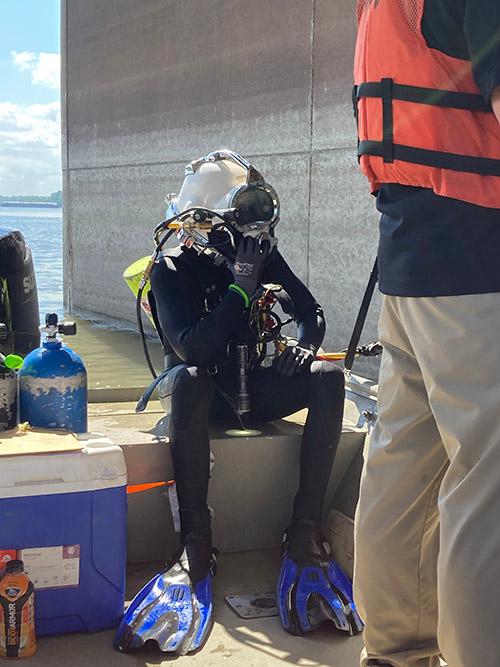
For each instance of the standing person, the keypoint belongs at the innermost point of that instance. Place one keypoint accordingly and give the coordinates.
(427, 76)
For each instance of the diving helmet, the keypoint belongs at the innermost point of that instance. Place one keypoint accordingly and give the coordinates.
(226, 184)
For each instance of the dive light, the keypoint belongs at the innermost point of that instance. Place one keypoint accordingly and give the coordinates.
(242, 402)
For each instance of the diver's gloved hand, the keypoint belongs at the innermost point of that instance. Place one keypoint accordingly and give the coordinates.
(294, 360)
(249, 264)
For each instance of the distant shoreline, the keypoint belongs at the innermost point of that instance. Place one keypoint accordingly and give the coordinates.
(25, 204)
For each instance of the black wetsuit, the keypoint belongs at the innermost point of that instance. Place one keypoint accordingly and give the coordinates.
(198, 317)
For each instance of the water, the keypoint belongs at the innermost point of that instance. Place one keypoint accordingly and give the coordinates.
(42, 229)
(113, 357)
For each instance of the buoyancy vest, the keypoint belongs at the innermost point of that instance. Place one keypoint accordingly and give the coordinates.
(421, 118)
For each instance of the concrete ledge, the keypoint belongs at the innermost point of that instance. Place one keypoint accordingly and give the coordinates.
(253, 482)
(114, 394)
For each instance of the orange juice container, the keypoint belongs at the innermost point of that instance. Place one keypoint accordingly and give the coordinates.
(17, 612)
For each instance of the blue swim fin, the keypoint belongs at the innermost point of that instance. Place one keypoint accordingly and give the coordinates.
(312, 588)
(171, 610)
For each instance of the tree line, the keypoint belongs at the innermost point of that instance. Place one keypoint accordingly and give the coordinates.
(54, 197)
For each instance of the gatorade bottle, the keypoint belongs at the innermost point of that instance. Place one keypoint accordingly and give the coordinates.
(17, 613)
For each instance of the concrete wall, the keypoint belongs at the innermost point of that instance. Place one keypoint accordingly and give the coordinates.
(152, 84)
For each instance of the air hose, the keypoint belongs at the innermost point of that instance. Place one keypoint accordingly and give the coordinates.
(145, 277)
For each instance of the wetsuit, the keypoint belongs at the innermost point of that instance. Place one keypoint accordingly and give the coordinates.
(198, 316)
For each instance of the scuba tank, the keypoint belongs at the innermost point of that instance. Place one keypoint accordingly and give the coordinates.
(9, 394)
(17, 613)
(9, 385)
(18, 295)
(53, 382)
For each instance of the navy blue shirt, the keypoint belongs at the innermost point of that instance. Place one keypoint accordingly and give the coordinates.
(432, 245)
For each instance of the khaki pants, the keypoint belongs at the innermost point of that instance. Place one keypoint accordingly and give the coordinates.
(427, 535)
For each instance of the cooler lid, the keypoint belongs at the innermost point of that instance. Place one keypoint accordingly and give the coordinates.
(99, 464)
(20, 441)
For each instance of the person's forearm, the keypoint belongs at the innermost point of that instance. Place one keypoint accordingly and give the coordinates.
(311, 330)
(195, 338)
(495, 102)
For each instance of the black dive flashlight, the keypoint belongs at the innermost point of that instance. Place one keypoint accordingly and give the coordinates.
(242, 405)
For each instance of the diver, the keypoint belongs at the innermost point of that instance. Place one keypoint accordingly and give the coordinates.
(202, 296)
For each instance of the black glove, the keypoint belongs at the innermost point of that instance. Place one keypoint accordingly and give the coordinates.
(293, 360)
(249, 263)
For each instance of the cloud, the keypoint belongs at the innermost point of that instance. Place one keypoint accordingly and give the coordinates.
(45, 67)
(30, 134)
(23, 60)
(30, 148)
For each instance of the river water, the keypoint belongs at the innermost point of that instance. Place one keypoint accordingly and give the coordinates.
(113, 356)
(42, 229)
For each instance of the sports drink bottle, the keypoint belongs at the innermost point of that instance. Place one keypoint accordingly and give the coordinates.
(17, 612)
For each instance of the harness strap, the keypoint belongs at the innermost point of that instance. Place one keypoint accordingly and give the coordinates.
(432, 96)
(361, 319)
(453, 161)
(387, 91)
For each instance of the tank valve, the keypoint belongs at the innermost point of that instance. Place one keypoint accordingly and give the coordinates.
(53, 327)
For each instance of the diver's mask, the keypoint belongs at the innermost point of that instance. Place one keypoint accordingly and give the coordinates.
(222, 194)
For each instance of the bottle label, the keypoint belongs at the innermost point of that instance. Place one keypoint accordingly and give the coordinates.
(52, 567)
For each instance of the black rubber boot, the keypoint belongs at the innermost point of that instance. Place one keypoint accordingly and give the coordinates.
(304, 544)
(198, 556)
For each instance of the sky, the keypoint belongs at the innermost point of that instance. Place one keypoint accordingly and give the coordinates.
(30, 116)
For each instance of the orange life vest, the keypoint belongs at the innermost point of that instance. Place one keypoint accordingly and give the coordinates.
(421, 118)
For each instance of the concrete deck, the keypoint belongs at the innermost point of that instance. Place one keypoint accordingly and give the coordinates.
(233, 641)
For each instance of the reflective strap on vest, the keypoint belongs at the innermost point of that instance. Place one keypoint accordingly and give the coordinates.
(387, 91)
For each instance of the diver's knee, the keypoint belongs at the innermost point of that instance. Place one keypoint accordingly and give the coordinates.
(191, 376)
(330, 378)
(192, 384)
